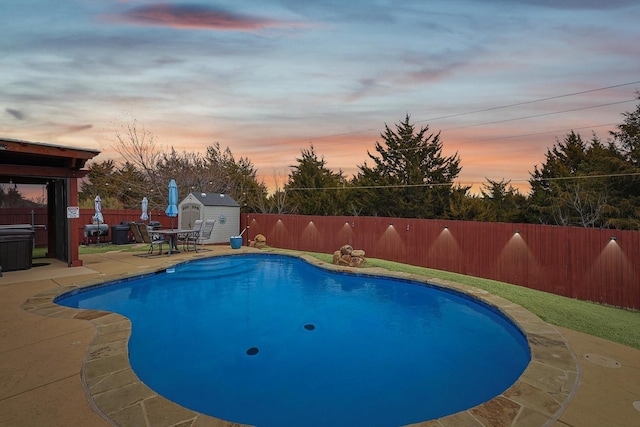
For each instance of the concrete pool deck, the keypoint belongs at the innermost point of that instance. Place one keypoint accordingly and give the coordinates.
(67, 367)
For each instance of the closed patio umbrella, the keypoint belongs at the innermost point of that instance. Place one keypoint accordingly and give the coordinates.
(145, 206)
(97, 217)
(172, 209)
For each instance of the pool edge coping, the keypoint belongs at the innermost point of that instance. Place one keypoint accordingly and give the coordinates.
(538, 397)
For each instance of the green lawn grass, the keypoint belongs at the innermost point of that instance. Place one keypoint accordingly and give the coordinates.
(97, 249)
(611, 323)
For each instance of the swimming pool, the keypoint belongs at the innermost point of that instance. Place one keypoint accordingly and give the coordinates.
(326, 348)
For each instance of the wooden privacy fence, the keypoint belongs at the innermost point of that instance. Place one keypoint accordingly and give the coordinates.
(599, 265)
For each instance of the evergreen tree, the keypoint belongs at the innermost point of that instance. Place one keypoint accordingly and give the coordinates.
(502, 202)
(409, 178)
(584, 184)
(627, 142)
(97, 181)
(627, 137)
(466, 207)
(12, 198)
(312, 189)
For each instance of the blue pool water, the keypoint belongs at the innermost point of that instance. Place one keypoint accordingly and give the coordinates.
(274, 341)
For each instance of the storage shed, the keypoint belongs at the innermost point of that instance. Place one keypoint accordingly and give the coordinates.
(220, 207)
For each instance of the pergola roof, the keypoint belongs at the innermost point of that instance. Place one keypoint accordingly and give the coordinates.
(31, 162)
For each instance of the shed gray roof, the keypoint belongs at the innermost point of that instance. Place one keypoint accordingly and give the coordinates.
(216, 199)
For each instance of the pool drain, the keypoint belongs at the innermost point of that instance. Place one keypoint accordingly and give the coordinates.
(309, 326)
(252, 351)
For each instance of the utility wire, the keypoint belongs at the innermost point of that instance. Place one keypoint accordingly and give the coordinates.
(541, 115)
(517, 104)
(500, 107)
(363, 187)
(542, 133)
(612, 175)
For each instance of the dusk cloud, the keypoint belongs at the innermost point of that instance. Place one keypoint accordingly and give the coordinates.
(77, 128)
(17, 114)
(199, 17)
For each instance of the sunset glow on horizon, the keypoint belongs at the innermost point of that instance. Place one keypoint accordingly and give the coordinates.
(500, 80)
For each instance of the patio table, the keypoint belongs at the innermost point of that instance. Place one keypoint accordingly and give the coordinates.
(172, 235)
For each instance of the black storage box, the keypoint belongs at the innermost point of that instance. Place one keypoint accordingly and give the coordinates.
(16, 248)
(120, 234)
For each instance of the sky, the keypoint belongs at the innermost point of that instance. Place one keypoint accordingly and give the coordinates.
(500, 80)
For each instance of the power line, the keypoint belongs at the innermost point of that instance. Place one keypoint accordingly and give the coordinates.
(543, 133)
(612, 175)
(517, 104)
(541, 115)
(365, 187)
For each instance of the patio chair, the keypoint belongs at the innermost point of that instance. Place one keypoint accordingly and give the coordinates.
(205, 233)
(152, 241)
(191, 239)
(136, 231)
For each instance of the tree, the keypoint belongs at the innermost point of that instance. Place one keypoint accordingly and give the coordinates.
(561, 162)
(237, 178)
(276, 202)
(97, 181)
(118, 188)
(409, 178)
(312, 189)
(12, 198)
(138, 147)
(466, 207)
(627, 141)
(502, 202)
(627, 137)
(584, 184)
(149, 167)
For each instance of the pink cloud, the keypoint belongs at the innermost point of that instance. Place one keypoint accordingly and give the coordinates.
(199, 17)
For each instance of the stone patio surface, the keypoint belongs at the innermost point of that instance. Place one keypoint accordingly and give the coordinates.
(66, 367)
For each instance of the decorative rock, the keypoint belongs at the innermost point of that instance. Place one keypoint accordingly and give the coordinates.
(346, 249)
(357, 253)
(357, 262)
(345, 260)
(259, 242)
(348, 256)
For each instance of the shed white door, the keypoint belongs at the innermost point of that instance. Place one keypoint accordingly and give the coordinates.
(190, 213)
